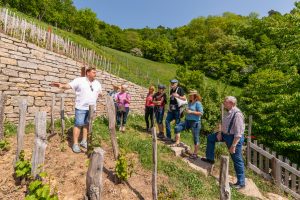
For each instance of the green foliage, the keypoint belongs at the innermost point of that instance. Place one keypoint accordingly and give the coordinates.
(273, 98)
(123, 169)
(10, 129)
(4, 145)
(164, 193)
(37, 190)
(23, 167)
(212, 95)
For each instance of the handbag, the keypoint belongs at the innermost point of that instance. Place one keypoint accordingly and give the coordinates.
(121, 108)
(181, 102)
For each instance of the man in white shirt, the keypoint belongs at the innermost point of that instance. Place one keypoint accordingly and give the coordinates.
(87, 90)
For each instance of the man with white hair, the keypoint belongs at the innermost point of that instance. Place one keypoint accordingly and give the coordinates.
(231, 131)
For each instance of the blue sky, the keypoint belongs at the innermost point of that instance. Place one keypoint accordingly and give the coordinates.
(174, 13)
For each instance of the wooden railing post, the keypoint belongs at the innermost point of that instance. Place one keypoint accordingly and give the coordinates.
(21, 127)
(154, 159)
(94, 175)
(261, 158)
(111, 112)
(2, 106)
(293, 177)
(90, 128)
(249, 141)
(62, 117)
(52, 115)
(225, 193)
(286, 173)
(38, 155)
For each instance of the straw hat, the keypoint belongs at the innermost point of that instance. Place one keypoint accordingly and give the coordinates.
(192, 92)
(116, 86)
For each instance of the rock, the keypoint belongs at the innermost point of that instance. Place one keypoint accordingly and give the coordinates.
(8, 61)
(10, 72)
(271, 196)
(37, 77)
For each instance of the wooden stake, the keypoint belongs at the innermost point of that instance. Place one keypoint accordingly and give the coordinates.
(38, 155)
(90, 130)
(111, 112)
(94, 175)
(21, 127)
(225, 193)
(52, 115)
(62, 118)
(249, 141)
(2, 106)
(154, 160)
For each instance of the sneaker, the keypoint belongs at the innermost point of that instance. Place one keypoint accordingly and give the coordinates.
(76, 148)
(83, 144)
(123, 129)
(208, 160)
(237, 186)
(120, 128)
(161, 135)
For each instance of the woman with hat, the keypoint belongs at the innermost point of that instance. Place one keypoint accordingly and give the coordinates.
(160, 100)
(192, 121)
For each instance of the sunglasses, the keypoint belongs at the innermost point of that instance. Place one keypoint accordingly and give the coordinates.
(91, 88)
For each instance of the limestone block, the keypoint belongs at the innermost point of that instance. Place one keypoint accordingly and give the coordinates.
(8, 109)
(6, 40)
(52, 78)
(33, 109)
(24, 75)
(37, 77)
(22, 86)
(18, 57)
(39, 103)
(8, 46)
(20, 44)
(40, 72)
(50, 57)
(47, 68)
(37, 54)
(16, 99)
(3, 86)
(17, 80)
(10, 72)
(23, 50)
(4, 54)
(33, 81)
(3, 77)
(27, 64)
(8, 61)
(36, 94)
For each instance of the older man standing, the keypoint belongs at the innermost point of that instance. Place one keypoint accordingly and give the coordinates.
(232, 132)
(87, 90)
(174, 109)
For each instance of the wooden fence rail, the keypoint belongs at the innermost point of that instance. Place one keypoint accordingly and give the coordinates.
(272, 167)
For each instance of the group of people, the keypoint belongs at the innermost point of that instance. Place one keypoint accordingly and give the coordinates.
(230, 131)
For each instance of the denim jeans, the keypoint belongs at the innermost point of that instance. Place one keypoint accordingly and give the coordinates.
(123, 116)
(172, 115)
(195, 126)
(159, 114)
(237, 157)
(81, 118)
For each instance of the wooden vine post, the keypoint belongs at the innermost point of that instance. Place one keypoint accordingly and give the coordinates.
(249, 141)
(154, 159)
(40, 144)
(62, 117)
(52, 115)
(2, 105)
(111, 112)
(21, 127)
(94, 175)
(225, 193)
(90, 128)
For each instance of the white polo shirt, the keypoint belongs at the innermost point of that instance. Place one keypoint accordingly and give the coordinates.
(86, 92)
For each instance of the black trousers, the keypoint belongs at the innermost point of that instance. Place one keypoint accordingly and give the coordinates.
(149, 112)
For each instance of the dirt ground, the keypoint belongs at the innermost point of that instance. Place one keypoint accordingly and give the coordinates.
(67, 172)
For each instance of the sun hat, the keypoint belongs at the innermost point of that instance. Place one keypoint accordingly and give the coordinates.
(192, 92)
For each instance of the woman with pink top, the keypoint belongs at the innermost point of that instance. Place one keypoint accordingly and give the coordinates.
(123, 101)
(149, 108)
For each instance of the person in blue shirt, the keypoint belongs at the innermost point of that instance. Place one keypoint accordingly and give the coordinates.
(192, 121)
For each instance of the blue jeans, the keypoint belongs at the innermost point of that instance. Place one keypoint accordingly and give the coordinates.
(122, 115)
(172, 115)
(81, 118)
(188, 124)
(237, 157)
(159, 114)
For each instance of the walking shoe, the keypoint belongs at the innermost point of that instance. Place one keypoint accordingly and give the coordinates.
(161, 135)
(123, 129)
(120, 128)
(83, 143)
(76, 148)
(237, 186)
(208, 160)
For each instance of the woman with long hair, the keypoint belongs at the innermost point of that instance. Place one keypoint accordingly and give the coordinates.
(149, 108)
(192, 121)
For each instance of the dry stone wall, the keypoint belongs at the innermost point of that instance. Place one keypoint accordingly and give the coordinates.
(27, 70)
